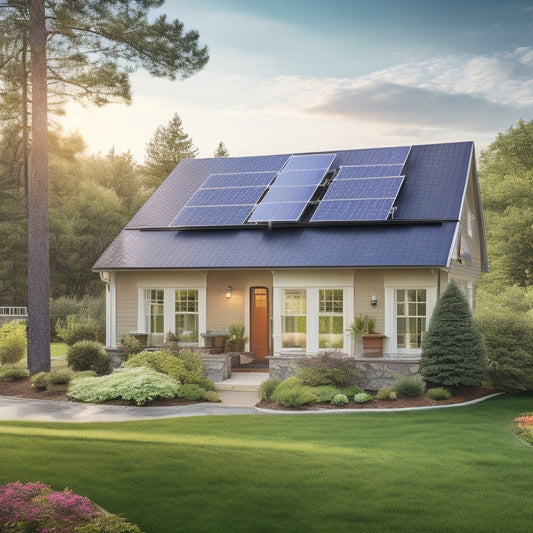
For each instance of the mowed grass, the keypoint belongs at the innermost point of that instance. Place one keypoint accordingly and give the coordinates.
(448, 470)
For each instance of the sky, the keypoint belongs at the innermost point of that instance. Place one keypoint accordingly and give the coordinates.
(307, 75)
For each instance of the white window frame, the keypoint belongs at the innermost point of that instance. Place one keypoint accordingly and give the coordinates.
(390, 315)
(197, 312)
(170, 309)
(331, 314)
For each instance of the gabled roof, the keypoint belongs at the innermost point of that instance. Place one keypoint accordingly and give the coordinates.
(421, 233)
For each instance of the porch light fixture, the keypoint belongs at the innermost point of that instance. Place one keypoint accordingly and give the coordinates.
(229, 290)
(374, 300)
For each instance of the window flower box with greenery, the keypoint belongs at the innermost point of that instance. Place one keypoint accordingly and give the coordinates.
(368, 343)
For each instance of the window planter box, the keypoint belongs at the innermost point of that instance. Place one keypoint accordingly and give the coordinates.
(373, 344)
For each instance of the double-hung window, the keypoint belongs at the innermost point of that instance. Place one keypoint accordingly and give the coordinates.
(154, 300)
(294, 319)
(410, 318)
(330, 318)
(186, 313)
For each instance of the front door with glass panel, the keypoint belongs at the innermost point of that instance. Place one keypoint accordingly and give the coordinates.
(259, 323)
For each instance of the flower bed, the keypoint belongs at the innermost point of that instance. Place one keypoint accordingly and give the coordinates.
(36, 507)
(524, 425)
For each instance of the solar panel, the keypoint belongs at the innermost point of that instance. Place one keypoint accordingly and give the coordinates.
(362, 188)
(284, 212)
(396, 155)
(352, 210)
(309, 162)
(225, 215)
(368, 171)
(239, 179)
(293, 188)
(224, 199)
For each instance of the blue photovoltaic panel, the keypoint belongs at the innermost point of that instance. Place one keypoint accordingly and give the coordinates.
(284, 212)
(293, 188)
(353, 210)
(241, 179)
(224, 199)
(292, 178)
(364, 188)
(380, 156)
(277, 195)
(368, 171)
(229, 196)
(226, 215)
(309, 162)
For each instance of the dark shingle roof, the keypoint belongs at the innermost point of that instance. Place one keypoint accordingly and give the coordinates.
(421, 233)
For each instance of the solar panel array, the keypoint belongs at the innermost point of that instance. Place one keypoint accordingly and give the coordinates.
(224, 200)
(366, 191)
(293, 188)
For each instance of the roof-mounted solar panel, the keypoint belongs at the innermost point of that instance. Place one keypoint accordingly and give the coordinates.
(223, 200)
(293, 188)
(368, 171)
(353, 210)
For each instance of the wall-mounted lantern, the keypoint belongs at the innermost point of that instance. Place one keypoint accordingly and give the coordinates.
(229, 291)
(373, 300)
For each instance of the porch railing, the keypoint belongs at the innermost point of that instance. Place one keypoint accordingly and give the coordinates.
(13, 311)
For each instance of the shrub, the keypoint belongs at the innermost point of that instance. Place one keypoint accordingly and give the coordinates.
(293, 393)
(36, 507)
(408, 386)
(325, 393)
(194, 367)
(438, 393)
(211, 396)
(509, 342)
(88, 355)
(12, 342)
(138, 385)
(207, 384)
(267, 388)
(161, 361)
(11, 372)
(352, 390)
(39, 381)
(191, 391)
(327, 370)
(362, 397)
(90, 330)
(67, 310)
(453, 352)
(386, 393)
(131, 345)
(339, 399)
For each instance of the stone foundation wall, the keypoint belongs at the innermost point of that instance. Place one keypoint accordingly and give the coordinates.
(217, 367)
(373, 373)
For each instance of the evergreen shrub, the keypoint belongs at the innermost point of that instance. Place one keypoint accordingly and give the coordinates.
(162, 361)
(438, 393)
(453, 352)
(362, 397)
(88, 355)
(194, 366)
(191, 391)
(267, 388)
(12, 372)
(386, 393)
(339, 399)
(326, 393)
(211, 396)
(293, 393)
(12, 343)
(327, 369)
(408, 386)
(509, 342)
(207, 384)
(39, 381)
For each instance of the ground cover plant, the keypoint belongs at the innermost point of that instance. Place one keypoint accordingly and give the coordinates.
(458, 469)
(37, 507)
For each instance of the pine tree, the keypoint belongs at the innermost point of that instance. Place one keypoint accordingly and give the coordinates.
(221, 150)
(167, 147)
(453, 352)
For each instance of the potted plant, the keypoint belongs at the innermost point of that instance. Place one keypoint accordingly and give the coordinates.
(367, 341)
(236, 343)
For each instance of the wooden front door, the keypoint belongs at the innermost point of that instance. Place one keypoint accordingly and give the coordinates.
(259, 323)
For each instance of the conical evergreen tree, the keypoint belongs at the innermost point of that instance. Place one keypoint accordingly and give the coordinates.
(453, 351)
(221, 150)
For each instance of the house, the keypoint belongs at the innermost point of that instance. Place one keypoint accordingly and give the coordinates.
(296, 245)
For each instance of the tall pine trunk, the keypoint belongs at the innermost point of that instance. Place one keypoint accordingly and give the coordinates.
(38, 255)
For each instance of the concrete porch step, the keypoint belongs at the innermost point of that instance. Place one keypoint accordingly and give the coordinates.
(242, 381)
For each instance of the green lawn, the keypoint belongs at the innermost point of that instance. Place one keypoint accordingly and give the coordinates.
(448, 470)
(58, 349)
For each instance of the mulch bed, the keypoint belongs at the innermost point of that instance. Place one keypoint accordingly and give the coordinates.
(21, 388)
